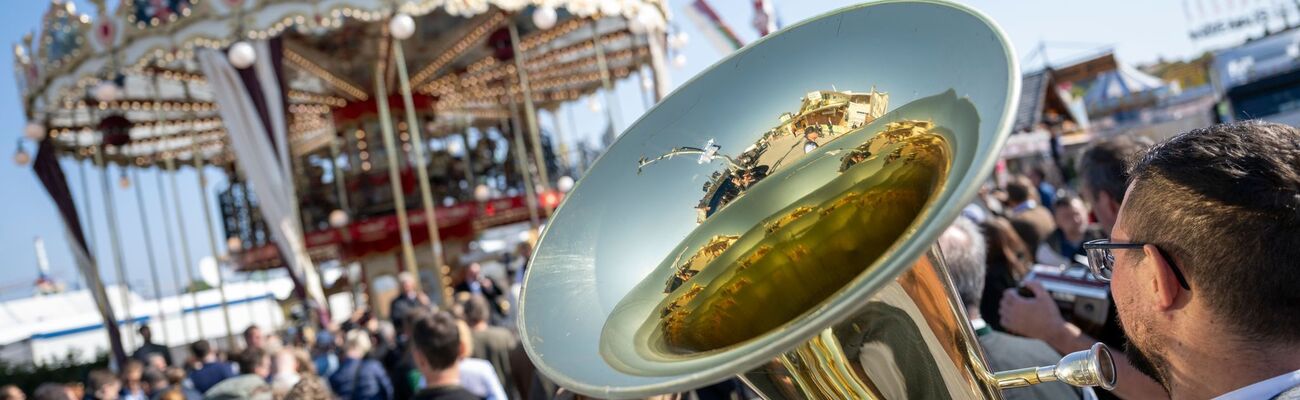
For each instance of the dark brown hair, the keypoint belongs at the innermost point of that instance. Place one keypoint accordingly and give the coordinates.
(436, 337)
(1103, 167)
(1224, 202)
(1005, 247)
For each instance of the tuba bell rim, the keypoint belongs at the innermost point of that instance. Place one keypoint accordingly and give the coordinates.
(851, 297)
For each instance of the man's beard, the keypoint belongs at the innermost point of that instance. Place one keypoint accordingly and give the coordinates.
(1148, 363)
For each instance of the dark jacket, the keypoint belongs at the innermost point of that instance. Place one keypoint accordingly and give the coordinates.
(1057, 242)
(361, 379)
(446, 393)
(147, 349)
(210, 374)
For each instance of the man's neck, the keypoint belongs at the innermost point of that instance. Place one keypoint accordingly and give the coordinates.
(444, 377)
(1215, 363)
(480, 326)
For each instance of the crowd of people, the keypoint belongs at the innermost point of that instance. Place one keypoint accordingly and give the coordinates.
(1197, 238)
(422, 351)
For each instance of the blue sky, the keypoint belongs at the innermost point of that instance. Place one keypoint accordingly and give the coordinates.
(1140, 31)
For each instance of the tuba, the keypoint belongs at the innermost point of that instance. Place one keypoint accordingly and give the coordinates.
(774, 219)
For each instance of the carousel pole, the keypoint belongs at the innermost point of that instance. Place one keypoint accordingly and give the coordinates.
(212, 244)
(185, 247)
(148, 248)
(613, 109)
(110, 213)
(562, 144)
(394, 174)
(469, 157)
(530, 111)
(340, 190)
(422, 172)
(520, 160)
(171, 255)
(85, 197)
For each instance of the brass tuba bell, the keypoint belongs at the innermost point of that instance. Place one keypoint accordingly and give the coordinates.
(773, 219)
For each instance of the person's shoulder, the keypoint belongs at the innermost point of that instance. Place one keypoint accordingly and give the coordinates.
(446, 393)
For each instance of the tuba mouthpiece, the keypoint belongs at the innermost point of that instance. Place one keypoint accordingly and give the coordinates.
(1092, 367)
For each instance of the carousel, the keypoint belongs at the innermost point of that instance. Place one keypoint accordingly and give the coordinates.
(379, 133)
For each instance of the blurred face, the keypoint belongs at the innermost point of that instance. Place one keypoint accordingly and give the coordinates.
(408, 285)
(157, 362)
(1104, 207)
(254, 338)
(472, 271)
(1072, 219)
(14, 393)
(146, 334)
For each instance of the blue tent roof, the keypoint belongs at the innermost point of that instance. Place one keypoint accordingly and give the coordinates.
(1123, 85)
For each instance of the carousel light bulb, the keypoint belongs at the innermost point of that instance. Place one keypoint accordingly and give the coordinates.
(564, 183)
(454, 147)
(234, 244)
(242, 55)
(107, 91)
(611, 8)
(402, 26)
(544, 17)
(594, 104)
(647, 83)
(482, 192)
(678, 41)
(339, 218)
(34, 131)
(679, 60)
(21, 157)
(650, 19)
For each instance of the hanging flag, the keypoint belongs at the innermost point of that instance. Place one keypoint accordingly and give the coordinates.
(253, 106)
(714, 28)
(51, 175)
(765, 20)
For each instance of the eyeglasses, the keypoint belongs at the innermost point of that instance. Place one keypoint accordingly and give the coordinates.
(1102, 262)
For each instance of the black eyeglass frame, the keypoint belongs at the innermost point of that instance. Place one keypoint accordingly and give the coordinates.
(1105, 246)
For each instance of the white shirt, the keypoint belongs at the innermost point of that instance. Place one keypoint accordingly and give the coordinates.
(1265, 389)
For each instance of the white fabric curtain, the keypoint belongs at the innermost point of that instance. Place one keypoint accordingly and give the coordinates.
(266, 164)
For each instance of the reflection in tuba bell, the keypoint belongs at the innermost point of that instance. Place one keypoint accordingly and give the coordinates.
(833, 154)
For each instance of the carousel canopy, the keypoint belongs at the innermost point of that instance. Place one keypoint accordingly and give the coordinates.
(460, 56)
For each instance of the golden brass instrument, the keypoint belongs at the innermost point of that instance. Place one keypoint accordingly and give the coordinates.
(806, 266)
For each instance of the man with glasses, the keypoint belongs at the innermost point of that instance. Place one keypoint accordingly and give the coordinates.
(1103, 175)
(1204, 262)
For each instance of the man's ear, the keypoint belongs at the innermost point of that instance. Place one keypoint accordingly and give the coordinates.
(1164, 283)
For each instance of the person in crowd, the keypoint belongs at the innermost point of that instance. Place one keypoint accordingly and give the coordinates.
(410, 299)
(101, 384)
(964, 253)
(491, 343)
(1072, 230)
(176, 386)
(1103, 173)
(1031, 220)
(156, 362)
(476, 374)
(1007, 262)
(254, 339)
(150, 348)
(154, 382)
(358, 377)
(437, 349)
(1046, 191)
(210, 370)
(132, 378)
(477, 283)
(289, 366)
(12, 392)
(53, 391)
(1202, 262)
(254, 368)
(310, 388)
(323, 353)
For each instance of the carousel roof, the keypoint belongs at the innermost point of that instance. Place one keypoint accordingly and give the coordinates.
(460, 60)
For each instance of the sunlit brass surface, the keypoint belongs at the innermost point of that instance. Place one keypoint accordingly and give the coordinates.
(908, 342)
(785, 265)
